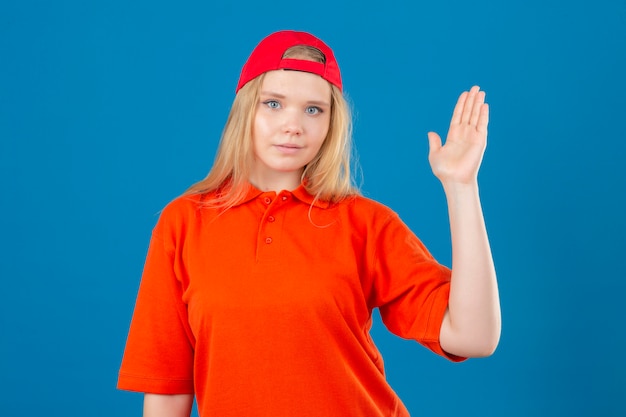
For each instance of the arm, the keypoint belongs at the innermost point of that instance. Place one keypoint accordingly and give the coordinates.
(157, 405)
(472, 323)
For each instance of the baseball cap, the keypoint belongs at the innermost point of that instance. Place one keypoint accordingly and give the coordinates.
(268, 56)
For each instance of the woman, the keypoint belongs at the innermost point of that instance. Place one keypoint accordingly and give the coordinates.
(260, 281)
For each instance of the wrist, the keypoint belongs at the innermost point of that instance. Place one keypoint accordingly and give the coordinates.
(459, 188)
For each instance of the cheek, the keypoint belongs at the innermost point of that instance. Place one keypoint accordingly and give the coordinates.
(259, 129)
(320, 131)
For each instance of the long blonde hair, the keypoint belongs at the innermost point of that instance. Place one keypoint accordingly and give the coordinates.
(327, 177)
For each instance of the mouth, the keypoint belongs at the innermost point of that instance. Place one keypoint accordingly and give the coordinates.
(288, 148)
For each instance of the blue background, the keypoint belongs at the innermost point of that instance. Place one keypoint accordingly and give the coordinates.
(109, 109)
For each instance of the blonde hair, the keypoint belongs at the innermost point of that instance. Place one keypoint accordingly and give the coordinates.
(327, 177)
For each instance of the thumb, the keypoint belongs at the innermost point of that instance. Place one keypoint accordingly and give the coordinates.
(434, 142)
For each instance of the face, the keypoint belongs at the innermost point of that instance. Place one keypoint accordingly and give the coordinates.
(291, 121)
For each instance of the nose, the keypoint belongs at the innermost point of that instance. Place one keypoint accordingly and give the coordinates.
(292, 123)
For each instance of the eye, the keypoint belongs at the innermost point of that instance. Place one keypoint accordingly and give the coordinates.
(312, 110)
(272, 104)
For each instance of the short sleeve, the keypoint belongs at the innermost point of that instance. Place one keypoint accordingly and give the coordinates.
(158, 357)
(411, 287)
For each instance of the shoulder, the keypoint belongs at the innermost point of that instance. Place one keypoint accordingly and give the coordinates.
(363, 213)
(183, 210)
(182, 204)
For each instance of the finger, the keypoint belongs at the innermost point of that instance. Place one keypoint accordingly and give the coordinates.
(458, 109)
(434, 142)
(479, 99)
(469, 105)
(483, 118)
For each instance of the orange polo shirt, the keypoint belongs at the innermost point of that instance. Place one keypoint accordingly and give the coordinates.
(265, 309)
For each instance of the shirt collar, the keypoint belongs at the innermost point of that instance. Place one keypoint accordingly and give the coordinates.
(303, 195)
(299, 193)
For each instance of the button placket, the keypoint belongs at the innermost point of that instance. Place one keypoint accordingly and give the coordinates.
(270, 228)
(270, 219)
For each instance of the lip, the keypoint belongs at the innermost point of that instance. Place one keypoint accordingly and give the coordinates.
(288, 148)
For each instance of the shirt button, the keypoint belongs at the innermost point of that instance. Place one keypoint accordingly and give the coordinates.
(284, 198)
(267, 200)
(268, 240)
(270, 219)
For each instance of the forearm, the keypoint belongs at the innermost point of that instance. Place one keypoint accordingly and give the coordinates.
(156, 405)
(472, 324)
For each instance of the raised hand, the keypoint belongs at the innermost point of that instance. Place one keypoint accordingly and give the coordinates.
(458, 160)
(471, 326)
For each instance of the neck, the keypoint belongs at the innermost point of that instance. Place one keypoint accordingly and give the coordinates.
(276, 182)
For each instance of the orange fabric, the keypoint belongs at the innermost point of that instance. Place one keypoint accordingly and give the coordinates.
(265, 309)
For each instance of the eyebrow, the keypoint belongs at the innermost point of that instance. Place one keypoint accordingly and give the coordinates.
(282, 96)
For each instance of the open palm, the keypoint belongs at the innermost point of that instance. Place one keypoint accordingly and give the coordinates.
(458, 160)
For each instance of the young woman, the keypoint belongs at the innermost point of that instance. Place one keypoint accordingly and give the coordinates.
(259, 284)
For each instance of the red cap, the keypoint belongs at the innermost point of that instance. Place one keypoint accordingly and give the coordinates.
(268, 56)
